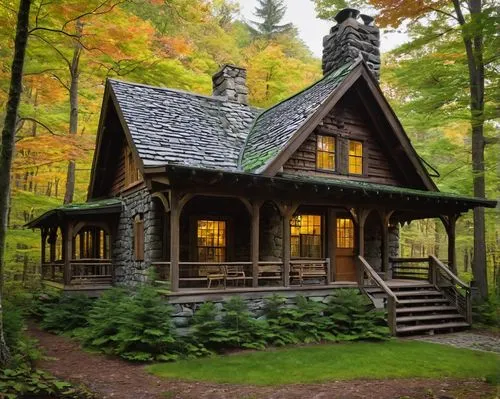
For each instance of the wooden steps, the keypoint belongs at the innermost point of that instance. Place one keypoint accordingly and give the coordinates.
(422, 309)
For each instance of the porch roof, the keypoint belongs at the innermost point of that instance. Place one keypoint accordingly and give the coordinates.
(100, 207)
(359, 191)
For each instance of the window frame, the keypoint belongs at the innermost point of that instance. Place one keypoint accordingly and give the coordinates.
(334, 153)
(361, 157)
(132, 175)
(226, 246)
(300, 242)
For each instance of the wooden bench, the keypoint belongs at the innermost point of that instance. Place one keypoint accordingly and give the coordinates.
(309, 271)
(270, 272)
(235, 273)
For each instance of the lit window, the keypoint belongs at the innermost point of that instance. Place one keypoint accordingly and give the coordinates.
(325, 152)
(345, 233)
(211, 236)
(355, 157)
(305, 236)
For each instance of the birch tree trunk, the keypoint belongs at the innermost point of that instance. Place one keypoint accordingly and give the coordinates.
(8, 144)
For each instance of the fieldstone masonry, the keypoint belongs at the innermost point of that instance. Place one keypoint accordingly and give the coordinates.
(350, 39)
(230, 82)
(127, 270)
(373, 243)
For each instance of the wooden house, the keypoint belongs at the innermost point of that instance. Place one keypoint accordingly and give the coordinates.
(221, 198)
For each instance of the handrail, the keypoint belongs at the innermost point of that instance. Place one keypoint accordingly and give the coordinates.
(450, 274)
(374, 275)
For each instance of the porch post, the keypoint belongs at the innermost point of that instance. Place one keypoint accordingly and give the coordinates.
(452, 253)
(44, 238)
(67, 251)
(174, 241)
(362, 214)
(255, 242)
(385, 216)
(286, 249)
(331, 223)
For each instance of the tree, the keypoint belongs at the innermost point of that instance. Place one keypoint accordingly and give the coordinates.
(472, 21)
(8, 140)
(271, 12)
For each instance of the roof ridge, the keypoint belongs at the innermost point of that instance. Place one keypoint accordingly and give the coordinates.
(180, 91)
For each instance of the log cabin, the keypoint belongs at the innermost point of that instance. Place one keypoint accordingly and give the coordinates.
(219, 198)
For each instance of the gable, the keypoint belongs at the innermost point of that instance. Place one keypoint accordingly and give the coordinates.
(116, 165)
(348, 120)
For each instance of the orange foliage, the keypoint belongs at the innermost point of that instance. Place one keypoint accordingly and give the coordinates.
(394, 12)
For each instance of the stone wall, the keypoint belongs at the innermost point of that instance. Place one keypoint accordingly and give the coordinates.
(185, 307)
(128, 271)
(373, 243)
(271, 233)
(350, 39)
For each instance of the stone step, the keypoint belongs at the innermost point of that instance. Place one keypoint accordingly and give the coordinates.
(444, 316)
(423, 309)
(429, 327)
(422, 301)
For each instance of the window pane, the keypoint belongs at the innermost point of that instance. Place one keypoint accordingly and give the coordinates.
(355, 157)
(345, 233)
(325, 152)
(305, 240)
(211, 240)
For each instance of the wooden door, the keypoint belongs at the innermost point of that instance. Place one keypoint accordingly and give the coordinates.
(345, 252)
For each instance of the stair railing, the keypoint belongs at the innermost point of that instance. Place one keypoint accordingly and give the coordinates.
(392, 300)
(454, 289)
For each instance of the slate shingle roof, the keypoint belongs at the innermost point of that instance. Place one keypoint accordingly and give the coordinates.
(275, 127)
(174, 127)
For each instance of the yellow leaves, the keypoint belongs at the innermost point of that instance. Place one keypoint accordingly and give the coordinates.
(394, 12)
(176, 47)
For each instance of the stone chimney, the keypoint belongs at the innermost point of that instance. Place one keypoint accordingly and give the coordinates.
(231, 82)
(354, 35)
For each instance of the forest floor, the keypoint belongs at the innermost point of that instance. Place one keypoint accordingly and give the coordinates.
(115, 378)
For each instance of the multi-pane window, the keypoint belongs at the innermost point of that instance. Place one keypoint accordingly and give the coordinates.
(305, 236)
(325, 152)
(211, 240)
(355, 157)
(91, 243)
(345, 233)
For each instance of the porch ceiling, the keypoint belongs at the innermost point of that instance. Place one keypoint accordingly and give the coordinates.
(102, 207)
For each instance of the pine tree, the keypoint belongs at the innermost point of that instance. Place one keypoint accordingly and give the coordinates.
(271, 12)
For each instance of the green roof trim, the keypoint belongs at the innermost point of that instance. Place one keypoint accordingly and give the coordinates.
(104, 206)
(386, 189)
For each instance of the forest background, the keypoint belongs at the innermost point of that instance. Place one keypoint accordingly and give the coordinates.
(181, 44)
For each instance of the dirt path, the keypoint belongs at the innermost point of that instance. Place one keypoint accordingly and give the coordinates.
(114, 378)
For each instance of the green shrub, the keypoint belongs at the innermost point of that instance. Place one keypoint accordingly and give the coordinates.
(351, 316)
(487, 312)
(274, 311)
(134, 326)
(13, 325)
(24, 382)
(64, 313)
(235, 327)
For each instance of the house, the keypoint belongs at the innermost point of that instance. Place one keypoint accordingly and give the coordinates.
(221, 198)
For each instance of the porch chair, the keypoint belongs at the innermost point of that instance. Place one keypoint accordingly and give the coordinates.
(235, 273)
(216, 273)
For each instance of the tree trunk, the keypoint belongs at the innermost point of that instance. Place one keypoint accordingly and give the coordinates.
(8, 143)
(473, 40)
(73, 116)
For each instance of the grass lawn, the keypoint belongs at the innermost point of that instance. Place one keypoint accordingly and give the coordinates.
(318, 363)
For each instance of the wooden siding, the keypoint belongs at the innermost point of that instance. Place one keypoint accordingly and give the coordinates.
(118, 180)
(347, 121)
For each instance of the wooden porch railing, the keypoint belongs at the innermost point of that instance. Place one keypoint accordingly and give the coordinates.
(198, 275)
(392, 300)
(53, 271)
(91, 271)
(455, 290)
(410, 268)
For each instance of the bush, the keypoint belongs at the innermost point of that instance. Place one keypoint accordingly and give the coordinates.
(487, 312)
(351, 316)
(63, 313)
(13, 325)
(233, 328)
(134, 326)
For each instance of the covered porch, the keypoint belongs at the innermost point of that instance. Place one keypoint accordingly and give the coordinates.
(76, 245)
(241, 233)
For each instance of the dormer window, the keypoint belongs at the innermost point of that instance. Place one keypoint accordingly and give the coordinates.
(325, 152)
(355, 157)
